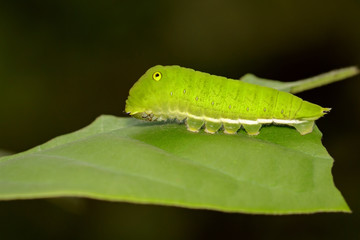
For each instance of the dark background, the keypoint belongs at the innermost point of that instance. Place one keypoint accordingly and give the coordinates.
(63, 63)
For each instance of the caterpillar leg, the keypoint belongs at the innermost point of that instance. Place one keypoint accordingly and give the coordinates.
(252, 129)
(212, 127)
(305, 127)
(231, 128)
(194, 125)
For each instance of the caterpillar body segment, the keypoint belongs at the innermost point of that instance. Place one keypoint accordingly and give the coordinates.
(214, 102)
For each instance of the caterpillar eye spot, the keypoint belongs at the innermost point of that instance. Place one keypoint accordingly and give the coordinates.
(157, 76)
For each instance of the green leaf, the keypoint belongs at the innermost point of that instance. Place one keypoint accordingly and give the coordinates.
(4, 152)
(123, 159)
(304, 84)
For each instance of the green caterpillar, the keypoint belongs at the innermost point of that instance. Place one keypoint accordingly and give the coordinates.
(174, 92)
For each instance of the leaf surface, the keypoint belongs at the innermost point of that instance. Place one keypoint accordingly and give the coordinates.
(124, 159)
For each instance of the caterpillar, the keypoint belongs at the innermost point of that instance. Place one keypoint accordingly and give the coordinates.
(198, 98)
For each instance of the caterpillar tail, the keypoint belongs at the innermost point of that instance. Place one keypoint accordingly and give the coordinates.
(325, 110)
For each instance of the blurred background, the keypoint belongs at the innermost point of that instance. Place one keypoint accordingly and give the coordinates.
(63, 63)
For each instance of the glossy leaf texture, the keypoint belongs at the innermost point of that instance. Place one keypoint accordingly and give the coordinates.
(124, 159)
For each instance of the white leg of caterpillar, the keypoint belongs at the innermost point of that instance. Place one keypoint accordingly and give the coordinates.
(252, 129)
(212, 127)
(305, 127)
(192, 130)
(231, 128)
(194, 125)
(209, 131)
(230, 133)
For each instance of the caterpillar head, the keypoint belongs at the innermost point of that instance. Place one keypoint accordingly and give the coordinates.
(148, 93)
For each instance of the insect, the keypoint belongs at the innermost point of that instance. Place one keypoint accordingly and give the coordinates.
(198, 98)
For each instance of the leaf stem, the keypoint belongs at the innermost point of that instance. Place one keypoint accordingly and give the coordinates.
(323, 79)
